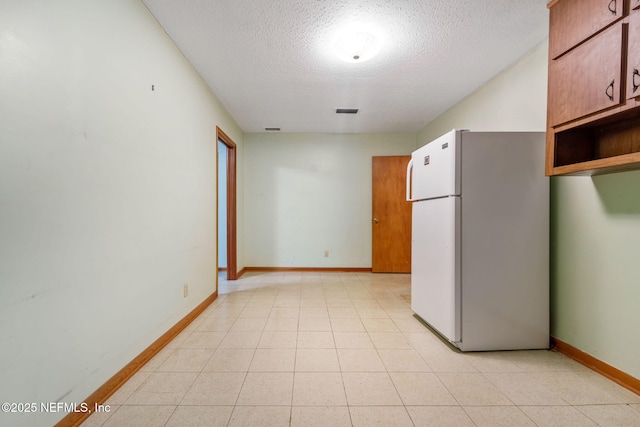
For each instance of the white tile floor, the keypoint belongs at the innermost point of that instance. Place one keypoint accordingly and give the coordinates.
(342, 349)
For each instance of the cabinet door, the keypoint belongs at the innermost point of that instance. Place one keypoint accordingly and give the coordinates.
(633, 57)
(573, 21)
(587, 79)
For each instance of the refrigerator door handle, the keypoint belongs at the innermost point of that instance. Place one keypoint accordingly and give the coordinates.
(409, 170)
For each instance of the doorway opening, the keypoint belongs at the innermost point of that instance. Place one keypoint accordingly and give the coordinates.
(226, 208)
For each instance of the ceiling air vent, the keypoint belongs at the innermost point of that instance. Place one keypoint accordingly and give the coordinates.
(272, 129)
(347, 111)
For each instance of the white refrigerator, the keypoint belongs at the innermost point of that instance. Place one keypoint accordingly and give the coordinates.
(480, 239)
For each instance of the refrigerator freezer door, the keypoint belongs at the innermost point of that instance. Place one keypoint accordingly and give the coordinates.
(435, 284)
(436, 168)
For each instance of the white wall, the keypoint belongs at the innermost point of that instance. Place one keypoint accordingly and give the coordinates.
(595, 223)
(310, 193)
(107, 194)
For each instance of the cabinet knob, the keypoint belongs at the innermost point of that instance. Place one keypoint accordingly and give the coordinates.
(635, 84)
(613, 7)
(609, 90)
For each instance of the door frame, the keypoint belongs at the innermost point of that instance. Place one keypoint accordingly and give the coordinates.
(232, 261)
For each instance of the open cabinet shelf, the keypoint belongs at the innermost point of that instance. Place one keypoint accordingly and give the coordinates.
(607, 145)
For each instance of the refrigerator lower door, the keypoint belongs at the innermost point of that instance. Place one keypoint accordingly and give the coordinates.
(435, 263)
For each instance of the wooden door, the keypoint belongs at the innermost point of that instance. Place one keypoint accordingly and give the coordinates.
(391, 220)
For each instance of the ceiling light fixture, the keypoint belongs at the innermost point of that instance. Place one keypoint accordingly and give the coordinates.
(358, 43)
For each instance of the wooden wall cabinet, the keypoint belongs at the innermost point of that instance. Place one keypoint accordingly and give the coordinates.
(572, 22)
(633, 56)
(586, 80)
(593, 116)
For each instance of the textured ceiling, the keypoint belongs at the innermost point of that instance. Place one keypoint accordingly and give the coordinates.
(270, 62)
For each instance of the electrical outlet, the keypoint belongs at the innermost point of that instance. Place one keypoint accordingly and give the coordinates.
(185, 290)
(326, 254)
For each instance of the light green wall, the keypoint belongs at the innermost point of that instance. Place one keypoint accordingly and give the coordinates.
(595, 270)
(107, 194)
(310, 193)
